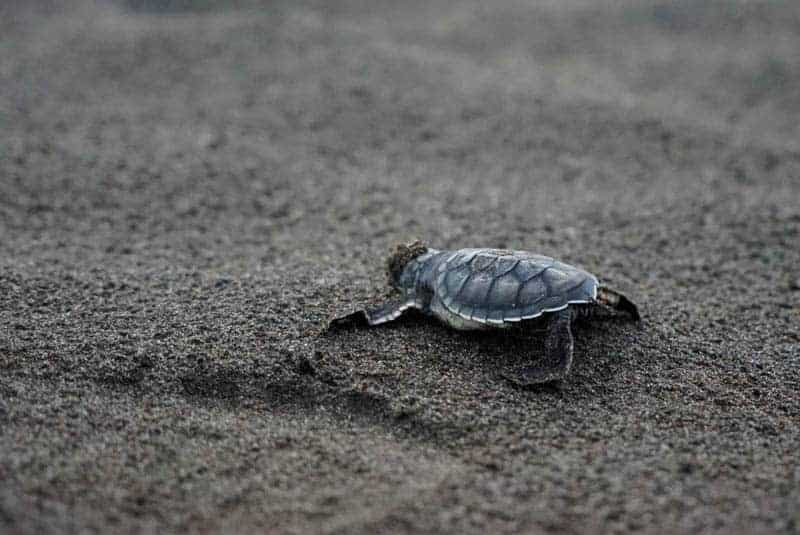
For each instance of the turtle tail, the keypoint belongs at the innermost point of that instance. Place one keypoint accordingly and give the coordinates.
(613, 299)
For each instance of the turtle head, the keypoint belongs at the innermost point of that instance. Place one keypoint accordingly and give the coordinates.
(401, 256)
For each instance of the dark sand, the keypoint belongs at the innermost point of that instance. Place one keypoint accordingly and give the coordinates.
(187, 195)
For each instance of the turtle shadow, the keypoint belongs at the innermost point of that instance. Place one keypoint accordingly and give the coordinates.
(496, 351)
(594, 360)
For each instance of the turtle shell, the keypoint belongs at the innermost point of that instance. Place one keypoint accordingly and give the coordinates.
(498, 286)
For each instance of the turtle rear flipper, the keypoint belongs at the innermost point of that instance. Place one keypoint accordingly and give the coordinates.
(370, 317)
(613, 299)
(557, 356)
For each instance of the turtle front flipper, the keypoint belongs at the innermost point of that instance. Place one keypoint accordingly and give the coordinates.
(369, 317)
(557, 357)
(613, 299)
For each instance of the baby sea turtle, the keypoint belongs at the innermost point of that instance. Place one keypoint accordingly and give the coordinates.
(472, 289)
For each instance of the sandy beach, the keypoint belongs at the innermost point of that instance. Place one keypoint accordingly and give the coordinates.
(189, 191)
